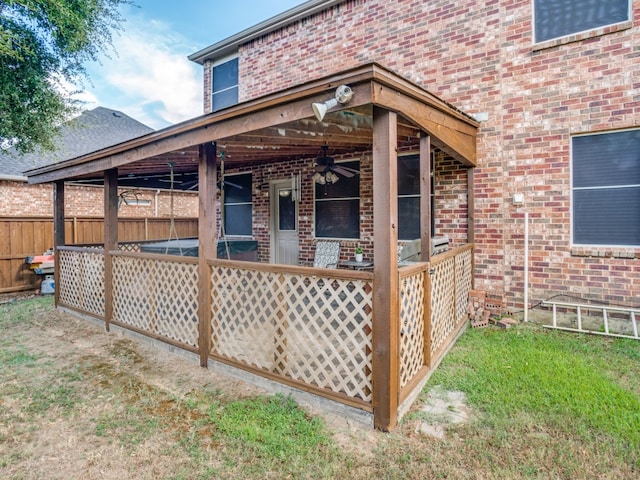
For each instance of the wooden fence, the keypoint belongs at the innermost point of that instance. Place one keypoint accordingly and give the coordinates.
(21, 237)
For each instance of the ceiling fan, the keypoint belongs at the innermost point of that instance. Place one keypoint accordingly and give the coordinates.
(326, 169)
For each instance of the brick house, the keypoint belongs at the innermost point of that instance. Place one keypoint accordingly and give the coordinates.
(91, 131)
(438, 119)
(552, 85)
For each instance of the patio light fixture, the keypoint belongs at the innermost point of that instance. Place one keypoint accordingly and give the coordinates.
(343, 95)
(324, 178)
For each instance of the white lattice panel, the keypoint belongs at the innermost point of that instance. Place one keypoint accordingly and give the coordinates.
(442, 302)
(81, 282)
(412, 292)
(464, 282)
(314, 330)
(157, 296)
(248, 310)
(129, 247)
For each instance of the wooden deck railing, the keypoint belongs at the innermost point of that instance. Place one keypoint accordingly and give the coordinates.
(433, 301)
(81, 280)
(305, 327)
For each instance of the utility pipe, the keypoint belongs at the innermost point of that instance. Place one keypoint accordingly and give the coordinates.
(526, 266)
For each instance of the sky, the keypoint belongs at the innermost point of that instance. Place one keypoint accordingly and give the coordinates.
(147, 74)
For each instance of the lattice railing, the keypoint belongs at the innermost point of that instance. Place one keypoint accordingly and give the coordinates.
(303, 326)
(451, 281)
(81, 279)
(159, 297)
(412, 316)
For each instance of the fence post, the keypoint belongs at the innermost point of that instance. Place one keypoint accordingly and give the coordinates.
(207, 241)
(110, 238)
(58, 234)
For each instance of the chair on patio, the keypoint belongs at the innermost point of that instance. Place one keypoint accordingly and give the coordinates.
(327, 254)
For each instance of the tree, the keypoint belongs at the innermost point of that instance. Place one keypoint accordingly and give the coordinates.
(44, 45)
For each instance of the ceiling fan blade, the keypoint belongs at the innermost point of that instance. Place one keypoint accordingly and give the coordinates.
(343, 171)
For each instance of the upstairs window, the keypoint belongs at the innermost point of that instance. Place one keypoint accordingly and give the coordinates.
(224, 82)
(337, 206)
(606, 189)
(561, 18)
(238, 205)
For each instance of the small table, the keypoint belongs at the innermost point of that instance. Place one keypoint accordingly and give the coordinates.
(363, 265)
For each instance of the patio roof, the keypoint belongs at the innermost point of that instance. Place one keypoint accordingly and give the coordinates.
(281, 127)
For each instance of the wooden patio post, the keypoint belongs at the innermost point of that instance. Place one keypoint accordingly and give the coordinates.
(425, 196)
(386, 331)
(425, 234)
(207, 243)
(110, 238)
(58, 233)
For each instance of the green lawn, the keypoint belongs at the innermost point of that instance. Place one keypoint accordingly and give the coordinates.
(544, 405)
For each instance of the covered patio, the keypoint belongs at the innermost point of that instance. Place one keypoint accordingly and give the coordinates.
(364, 338)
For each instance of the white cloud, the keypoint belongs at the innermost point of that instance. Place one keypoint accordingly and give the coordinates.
(149, 77)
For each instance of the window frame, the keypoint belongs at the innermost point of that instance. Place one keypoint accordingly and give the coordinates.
(612, 187)
(340, 199)
(418, 195)
(225, 204)
(236, 86)
(589, 32)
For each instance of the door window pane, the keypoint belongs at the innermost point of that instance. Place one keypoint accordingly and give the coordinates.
(286, 210)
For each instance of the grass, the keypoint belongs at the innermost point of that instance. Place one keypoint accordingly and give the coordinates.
(545, 405)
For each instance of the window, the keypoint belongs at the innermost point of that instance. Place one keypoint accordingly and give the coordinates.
(238, 207)
(337, 206)
(409, 198)
(606, 189)
(560, 18)
(224, 82)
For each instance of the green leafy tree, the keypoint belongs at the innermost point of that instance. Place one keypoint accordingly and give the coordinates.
(44, 45)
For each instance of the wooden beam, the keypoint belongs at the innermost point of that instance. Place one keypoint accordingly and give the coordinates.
(207, 244)
(110, 239)
(386, 331)
(450, 134)
(216, 128)
(425, 197)
(58, 233)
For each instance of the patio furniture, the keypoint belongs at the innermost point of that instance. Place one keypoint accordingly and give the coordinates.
(327, 254)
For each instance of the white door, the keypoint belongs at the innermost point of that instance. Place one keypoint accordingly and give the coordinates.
(284, 224)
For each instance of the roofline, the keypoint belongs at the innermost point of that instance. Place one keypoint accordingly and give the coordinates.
(231, 44)
(16, 178)
(199, 130)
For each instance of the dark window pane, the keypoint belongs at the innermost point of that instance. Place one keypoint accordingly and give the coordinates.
(286, 210)
(338, 219)
(559, 18)
(409, 175)
(237, 220)
(225, 75)
(344, 187)
(224, 99)
(606, 159)
(607, 216)
(237, 188)
(408, 218)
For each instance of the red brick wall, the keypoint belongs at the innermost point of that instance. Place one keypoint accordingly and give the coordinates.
(20, 199)
(479, 57)
(450, 192)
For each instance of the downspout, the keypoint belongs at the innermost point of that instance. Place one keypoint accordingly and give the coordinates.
(156, 203)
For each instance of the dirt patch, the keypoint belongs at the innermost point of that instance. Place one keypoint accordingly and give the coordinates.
(105, 406)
